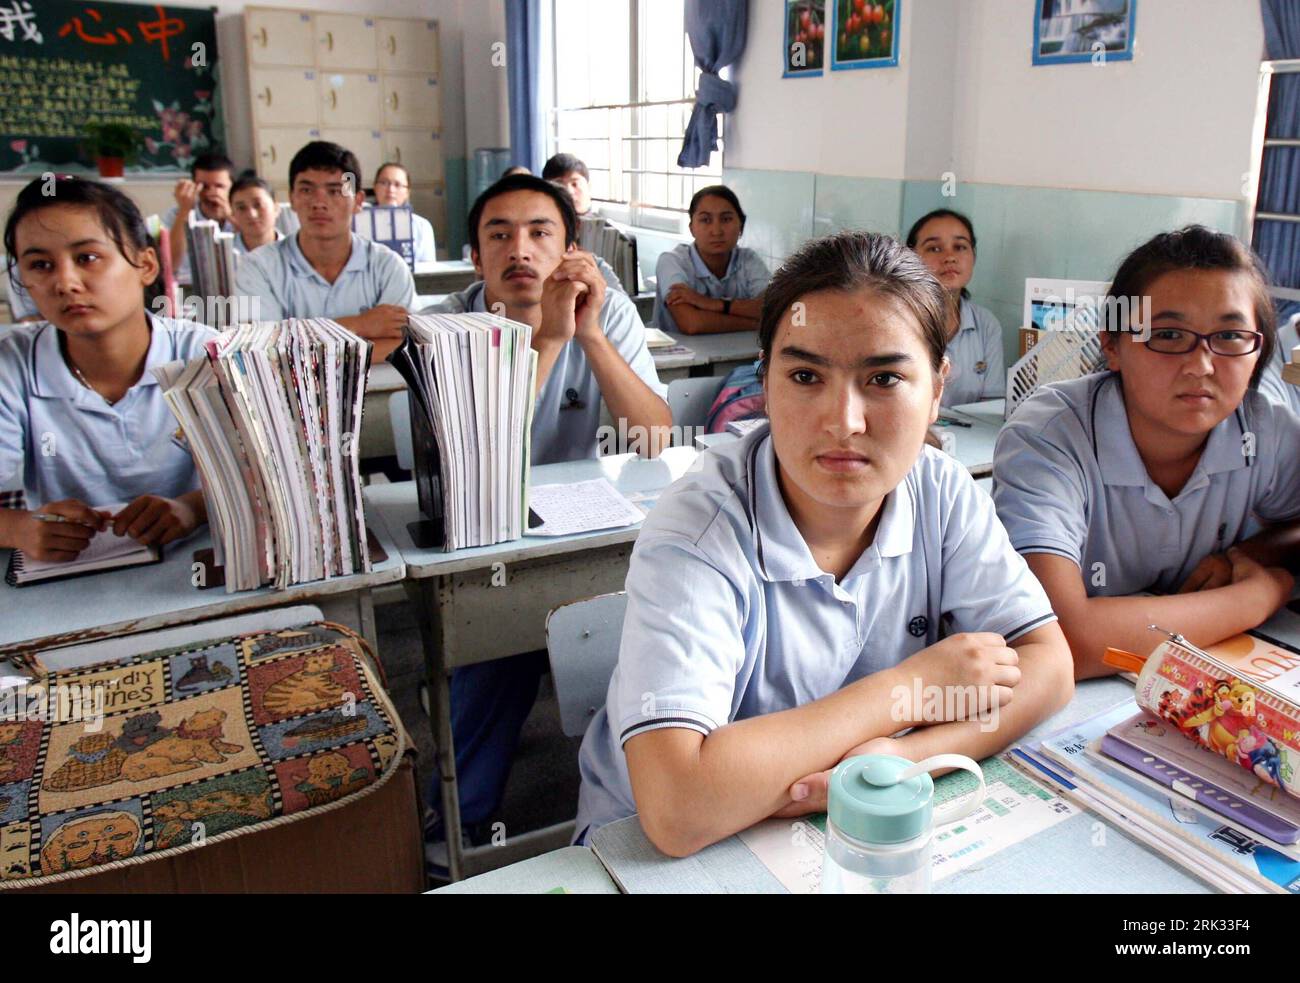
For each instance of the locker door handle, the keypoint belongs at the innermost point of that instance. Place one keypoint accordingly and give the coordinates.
(392, 100)
(272, 150)
(262, 36)
(334, 99)
(266, 96)
(397, 154)
(392, 44)
(329, 40)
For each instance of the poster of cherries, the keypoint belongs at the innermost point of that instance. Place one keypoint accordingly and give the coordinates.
(806, 31)
(866, 34)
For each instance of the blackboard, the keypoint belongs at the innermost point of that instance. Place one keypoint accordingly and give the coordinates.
(66, 63)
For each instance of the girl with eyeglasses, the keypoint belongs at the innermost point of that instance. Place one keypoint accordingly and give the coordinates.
(1166, 490)
(393, 187)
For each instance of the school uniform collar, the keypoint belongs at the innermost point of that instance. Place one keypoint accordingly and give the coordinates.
(299, 265)
(783, 555)
(702, 269)
(1118, 457)
(53, 379)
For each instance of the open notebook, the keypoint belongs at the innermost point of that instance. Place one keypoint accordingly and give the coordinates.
(105, 552)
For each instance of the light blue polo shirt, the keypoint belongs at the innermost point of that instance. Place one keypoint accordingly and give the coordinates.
(1068, 480)
(59, 439)
(567, 414)
(242, 250)
(975, 354)
(747, 276)
(286, 285)
(183, 273)
(425, 246)
(730, 617)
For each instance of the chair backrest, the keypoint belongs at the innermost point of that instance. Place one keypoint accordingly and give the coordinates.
(582, 641)
(399, 415)
(689, 400)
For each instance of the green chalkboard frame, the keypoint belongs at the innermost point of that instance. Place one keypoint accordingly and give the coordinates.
(64, 63)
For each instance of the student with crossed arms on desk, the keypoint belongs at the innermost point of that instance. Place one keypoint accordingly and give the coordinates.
(786, 599)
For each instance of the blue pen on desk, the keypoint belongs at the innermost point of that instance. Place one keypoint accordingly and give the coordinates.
(947, 421)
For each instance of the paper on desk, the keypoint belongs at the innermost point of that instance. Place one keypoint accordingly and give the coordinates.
(1015, 807)
(583, 506)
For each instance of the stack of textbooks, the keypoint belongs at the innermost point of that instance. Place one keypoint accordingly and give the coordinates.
(471, 380)
(212, 265)
(614, 246)
(1201, 764)
(272, 416)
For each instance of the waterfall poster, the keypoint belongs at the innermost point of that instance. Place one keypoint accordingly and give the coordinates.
(1074, 31)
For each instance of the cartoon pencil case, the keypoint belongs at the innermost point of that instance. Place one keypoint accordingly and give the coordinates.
(1250, 723)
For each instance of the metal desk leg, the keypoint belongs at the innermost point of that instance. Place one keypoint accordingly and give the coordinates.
(425, 596)
(356, 609)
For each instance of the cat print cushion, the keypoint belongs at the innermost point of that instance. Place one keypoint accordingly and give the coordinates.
(168, 750)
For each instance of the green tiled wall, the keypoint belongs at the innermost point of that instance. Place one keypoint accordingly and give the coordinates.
(1022, 232)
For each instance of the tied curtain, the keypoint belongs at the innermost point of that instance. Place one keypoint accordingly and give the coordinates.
(716, 29)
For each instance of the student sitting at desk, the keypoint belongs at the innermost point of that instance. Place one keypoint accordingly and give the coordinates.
(393, 187)
(208, 190)
(254, 213)
(82, 419)
(787, 599)
(571, 174)
(946, 241)
(591, 346)
(1168, 473)
(325, 269)
(711, 284)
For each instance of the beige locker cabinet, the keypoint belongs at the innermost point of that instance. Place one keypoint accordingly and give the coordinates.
(409, 46)
(279, 37)
(349, 99)
(412, 100)
(282, 96)
(276, 147)
(368, 145)
(419, 151)
(346, 41)
(368, 82)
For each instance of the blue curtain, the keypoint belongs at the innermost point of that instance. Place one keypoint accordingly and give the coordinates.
(523, 68)
(1278, 243)
(716, 29)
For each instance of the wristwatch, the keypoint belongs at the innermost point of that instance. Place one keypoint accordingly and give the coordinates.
(726, 305)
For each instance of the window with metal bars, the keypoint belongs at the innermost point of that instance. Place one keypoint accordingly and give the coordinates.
(624, 81)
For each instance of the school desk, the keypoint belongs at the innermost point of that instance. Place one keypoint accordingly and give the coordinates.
(1064, 858)
(160, 595)
(490, 602)
(972, 446)
(569, 870)
(711, 354)
(444, 276)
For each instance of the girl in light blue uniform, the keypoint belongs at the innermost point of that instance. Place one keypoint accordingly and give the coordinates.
(945, 240)
(789, 599)
(1168, 473)
(83, 423)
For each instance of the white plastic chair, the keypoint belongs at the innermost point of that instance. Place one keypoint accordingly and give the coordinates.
(582, 641)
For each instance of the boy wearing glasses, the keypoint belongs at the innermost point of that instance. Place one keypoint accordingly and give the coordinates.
(325, 270)
(1167, 490)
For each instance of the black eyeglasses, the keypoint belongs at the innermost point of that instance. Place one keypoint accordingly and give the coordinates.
(1180, 341)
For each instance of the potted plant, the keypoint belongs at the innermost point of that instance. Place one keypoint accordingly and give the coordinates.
(114, 145)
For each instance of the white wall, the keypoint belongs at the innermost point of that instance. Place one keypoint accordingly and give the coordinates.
(1176, 120)
(852, 123)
